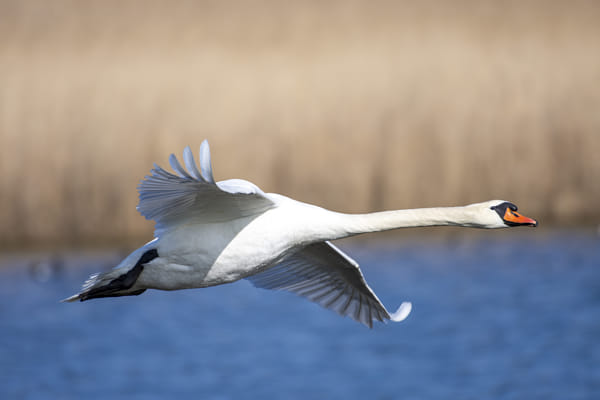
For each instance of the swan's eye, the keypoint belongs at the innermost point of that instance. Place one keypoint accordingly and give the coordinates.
(501, 208)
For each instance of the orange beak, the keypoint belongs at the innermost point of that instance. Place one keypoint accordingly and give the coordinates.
(513, 218)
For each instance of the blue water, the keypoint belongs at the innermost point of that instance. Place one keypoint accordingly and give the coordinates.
(494, 317)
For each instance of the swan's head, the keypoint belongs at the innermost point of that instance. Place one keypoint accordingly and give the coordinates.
(501, 214)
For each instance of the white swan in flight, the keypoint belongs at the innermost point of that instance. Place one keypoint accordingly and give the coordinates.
(210, 233)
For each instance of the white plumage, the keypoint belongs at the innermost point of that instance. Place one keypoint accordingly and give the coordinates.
(210, 233)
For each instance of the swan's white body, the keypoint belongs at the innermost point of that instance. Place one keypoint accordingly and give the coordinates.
(210, 233)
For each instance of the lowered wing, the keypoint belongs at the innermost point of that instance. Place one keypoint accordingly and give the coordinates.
(322, 273)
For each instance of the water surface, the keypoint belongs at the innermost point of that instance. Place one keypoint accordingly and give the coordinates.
(495, 317)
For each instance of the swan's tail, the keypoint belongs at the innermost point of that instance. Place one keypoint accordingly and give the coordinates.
(118, 282)
(114, 283)
(90, 283)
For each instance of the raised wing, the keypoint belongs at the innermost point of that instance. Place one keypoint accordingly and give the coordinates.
(322, 273)
(193, 196)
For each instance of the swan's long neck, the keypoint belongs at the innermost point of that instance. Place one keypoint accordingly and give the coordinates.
(353, 224)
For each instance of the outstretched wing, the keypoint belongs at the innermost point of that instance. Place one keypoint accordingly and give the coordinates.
(193, 196)
(322, 273)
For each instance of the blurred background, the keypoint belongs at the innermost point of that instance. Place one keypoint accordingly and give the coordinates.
(353, 105)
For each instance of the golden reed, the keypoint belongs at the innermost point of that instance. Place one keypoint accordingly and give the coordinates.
(353, 105)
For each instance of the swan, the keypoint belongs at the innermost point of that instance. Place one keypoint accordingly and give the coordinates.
(209, 233)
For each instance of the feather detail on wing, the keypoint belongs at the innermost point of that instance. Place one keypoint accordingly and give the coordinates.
(322, 273)
(193, 196)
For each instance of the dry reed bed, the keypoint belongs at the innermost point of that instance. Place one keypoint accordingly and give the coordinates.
(352, 105)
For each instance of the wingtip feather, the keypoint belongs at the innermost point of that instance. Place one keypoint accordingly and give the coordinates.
(177, 167)
(205, 164)
(402, 312)
(190, 163)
